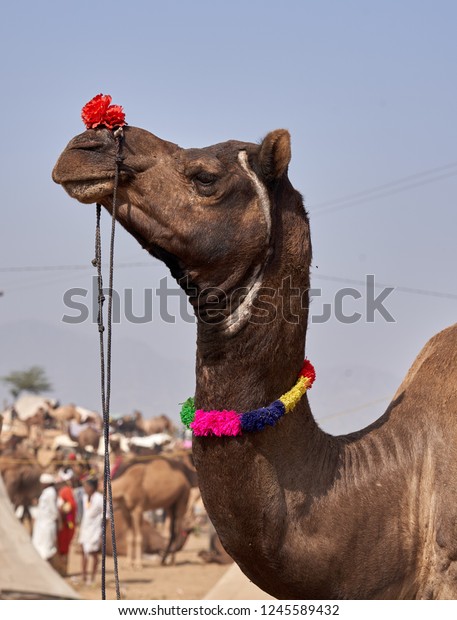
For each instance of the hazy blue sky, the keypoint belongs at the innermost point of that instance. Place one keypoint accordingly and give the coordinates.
(368, 92)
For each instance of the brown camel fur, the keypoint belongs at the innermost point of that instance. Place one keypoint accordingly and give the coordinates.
(372, 514)
(152, 541)
(64, 414)
(88, 437)
(131, 425)
(160, 483)
(21, 475)
(158, 424)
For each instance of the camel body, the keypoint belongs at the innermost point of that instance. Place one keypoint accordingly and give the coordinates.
(380, 508)
(21, 475)
(160, 483)
(153, 543)
(305, 515)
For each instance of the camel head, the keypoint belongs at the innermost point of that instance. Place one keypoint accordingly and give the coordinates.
(209, 213)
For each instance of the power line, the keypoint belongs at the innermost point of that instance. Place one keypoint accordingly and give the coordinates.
(327, 206)
(400, 289)
(47, 282)
(58, 279)
(345, 203)
(30, 268)
(318, 276)
(385, 186)
(353, 409)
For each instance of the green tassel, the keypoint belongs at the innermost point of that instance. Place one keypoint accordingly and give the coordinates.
(188, 412)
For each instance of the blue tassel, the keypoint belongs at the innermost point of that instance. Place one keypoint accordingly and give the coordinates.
(265, 416)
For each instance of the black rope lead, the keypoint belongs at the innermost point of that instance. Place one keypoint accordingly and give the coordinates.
(105, 368)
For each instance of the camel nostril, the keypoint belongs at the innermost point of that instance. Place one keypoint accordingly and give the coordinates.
(91, 140)
(87, 147)
(87, 143)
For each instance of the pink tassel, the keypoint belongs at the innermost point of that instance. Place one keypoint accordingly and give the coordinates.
(219, 423)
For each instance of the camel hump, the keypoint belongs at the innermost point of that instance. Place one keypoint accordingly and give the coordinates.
(437, 359)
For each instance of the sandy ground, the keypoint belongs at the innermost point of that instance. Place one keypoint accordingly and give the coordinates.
(190, 578)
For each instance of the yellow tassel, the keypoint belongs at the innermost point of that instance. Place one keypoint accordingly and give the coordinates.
(291, 398)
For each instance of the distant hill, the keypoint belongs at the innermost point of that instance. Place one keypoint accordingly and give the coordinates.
(142, 378)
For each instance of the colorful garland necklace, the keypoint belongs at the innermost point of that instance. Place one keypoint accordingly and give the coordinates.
(231, 424)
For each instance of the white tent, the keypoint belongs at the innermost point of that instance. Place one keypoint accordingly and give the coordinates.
(23, 573)
(28, 405)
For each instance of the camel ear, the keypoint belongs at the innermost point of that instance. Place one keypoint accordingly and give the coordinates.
(275, 154)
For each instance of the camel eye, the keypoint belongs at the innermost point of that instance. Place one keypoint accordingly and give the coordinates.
(205, 178)
(205, 183)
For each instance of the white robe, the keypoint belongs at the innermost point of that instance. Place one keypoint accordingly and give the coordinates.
(44, 535)
(90, 531)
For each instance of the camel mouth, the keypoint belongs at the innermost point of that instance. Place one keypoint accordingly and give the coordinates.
(174, 264)
(89, 191)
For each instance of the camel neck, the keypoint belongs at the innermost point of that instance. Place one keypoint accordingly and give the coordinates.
(255, 477)
(249, 370)
(245, 372)
(253, 367)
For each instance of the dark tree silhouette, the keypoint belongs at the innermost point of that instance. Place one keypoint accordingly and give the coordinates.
(33, 380)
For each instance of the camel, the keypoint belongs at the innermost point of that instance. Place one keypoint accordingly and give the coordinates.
(85, 435)
(64, 414)
(88, 438)
(216, 554)
(159, 483)
(152, 541)
(151, 444)
(21, 475)
(128, 425)
(306, 515)
(156, 425)
(133, 425)
(22, 484)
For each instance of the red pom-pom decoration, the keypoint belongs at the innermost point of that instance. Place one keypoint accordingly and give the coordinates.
(308, 372)
(99, 112)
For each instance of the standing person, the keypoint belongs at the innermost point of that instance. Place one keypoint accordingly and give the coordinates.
(90, 532)
(67, 506)
(80, 473)
(44, 537)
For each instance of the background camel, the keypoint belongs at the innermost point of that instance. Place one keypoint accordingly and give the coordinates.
(128, 425)
(158, 424)
(161, 483)
(305, 515)
(216, 553)
(88, 438)
(21, 475)
(64, 414)
(152, 541)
